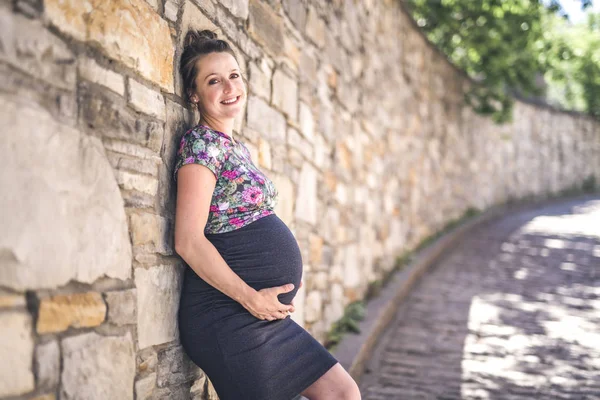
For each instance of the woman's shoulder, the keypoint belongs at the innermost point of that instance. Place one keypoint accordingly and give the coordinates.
(201, 132)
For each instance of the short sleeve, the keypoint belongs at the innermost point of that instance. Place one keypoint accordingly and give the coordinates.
(200, 147)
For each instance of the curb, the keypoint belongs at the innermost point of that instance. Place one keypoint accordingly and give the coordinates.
(354, 350)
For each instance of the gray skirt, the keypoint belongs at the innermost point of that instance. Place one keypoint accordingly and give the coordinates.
(244, 357)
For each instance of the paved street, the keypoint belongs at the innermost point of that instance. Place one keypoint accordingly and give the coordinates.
(512, 312)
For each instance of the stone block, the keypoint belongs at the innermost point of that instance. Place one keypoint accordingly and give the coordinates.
(264, 154)
(146, 100)
(286, 198)
(142, 166)
(313, 306)
(299, 304)
(315, 27)
(28, 46)
(81, 236)
(78, 310)
(171, 10)
(141, 183)
(158, 290)
(307, 123)
(239, 8)
(90, 70)
(175, 367)
(107, 114)
(299, 143)
(129, 31)
(16, 353)
(297, 12)
(352, 272)
(265, 26)
(47, 361)
(306, 202)
(98, 367)
(145, 228)
(144, 387)
(260, 80)
(12, 301)
(285, 94)
(316, 249)
(121, 306)
(266, 120)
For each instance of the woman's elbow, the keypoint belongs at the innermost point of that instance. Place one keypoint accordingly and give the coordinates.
(185, 244)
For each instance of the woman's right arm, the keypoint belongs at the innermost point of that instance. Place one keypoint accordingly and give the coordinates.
(195, 186)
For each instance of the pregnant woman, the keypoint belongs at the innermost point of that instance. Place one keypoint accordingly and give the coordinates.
(244, 264)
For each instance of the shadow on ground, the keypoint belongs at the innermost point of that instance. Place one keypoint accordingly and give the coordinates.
(513, 312)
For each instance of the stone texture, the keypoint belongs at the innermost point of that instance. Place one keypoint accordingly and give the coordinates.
(47, 361)
(264, 154)
(315, 27)
(26, 45)
(286, 198)
(146, 100)
(307, 124)
(270, 123)
(129, 31)
(171, 9)
(98, 367)
(265, 26)
(82, 236)
(175, 367)
(78, 310)
(297, 12)
(313, 306)
(12, 301)
(158, 291)
(306, 202)
(121, 307)
(90, 70)
(239, 8)
(145, 387)
(108, 115)
(16, 352)
(260, 80)
(285, 94)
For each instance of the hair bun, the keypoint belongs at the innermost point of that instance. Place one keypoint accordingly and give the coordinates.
(197, 37)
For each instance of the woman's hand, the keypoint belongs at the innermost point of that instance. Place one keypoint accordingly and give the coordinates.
(292, 302)
(266, 306)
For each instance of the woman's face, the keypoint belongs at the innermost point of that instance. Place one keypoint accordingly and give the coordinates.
(220, 91)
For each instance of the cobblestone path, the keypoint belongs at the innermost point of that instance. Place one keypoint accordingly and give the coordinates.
(512, 312)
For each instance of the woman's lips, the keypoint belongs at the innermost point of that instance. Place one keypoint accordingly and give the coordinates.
(237, 99)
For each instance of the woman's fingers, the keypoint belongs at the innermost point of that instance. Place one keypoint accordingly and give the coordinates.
(285, 288)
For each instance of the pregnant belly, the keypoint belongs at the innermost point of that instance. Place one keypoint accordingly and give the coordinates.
(264, 254)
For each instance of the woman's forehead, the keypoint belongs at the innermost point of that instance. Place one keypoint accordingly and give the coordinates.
(216, 63)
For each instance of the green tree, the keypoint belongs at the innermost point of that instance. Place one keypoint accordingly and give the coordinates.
(503, 45)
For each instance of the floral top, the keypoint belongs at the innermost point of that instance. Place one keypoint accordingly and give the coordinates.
(242, 192)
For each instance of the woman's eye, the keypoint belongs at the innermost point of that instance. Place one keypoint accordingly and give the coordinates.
(234, 76)
(212, 81)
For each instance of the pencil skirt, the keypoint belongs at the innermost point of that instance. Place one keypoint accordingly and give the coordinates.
(244, 357)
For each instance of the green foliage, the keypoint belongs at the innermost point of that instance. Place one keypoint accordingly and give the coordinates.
(574, 73)
(354, 313)
(506, 47)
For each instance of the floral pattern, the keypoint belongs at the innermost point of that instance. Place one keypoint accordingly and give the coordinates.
(243, 194)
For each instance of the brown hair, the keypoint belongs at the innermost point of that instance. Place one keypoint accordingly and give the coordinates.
(196, 45)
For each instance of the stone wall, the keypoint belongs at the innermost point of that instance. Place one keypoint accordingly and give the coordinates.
(357, 120)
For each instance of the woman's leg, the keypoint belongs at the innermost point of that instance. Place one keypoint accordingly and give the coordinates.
(335, 384)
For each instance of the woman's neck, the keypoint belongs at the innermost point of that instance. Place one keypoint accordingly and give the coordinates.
(222, 126)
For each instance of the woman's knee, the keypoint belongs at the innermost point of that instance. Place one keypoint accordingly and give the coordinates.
(335, 384)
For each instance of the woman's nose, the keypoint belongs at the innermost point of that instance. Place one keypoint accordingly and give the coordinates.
(227, 86)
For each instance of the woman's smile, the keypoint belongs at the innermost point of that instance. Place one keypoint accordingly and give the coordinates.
(230, 101)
